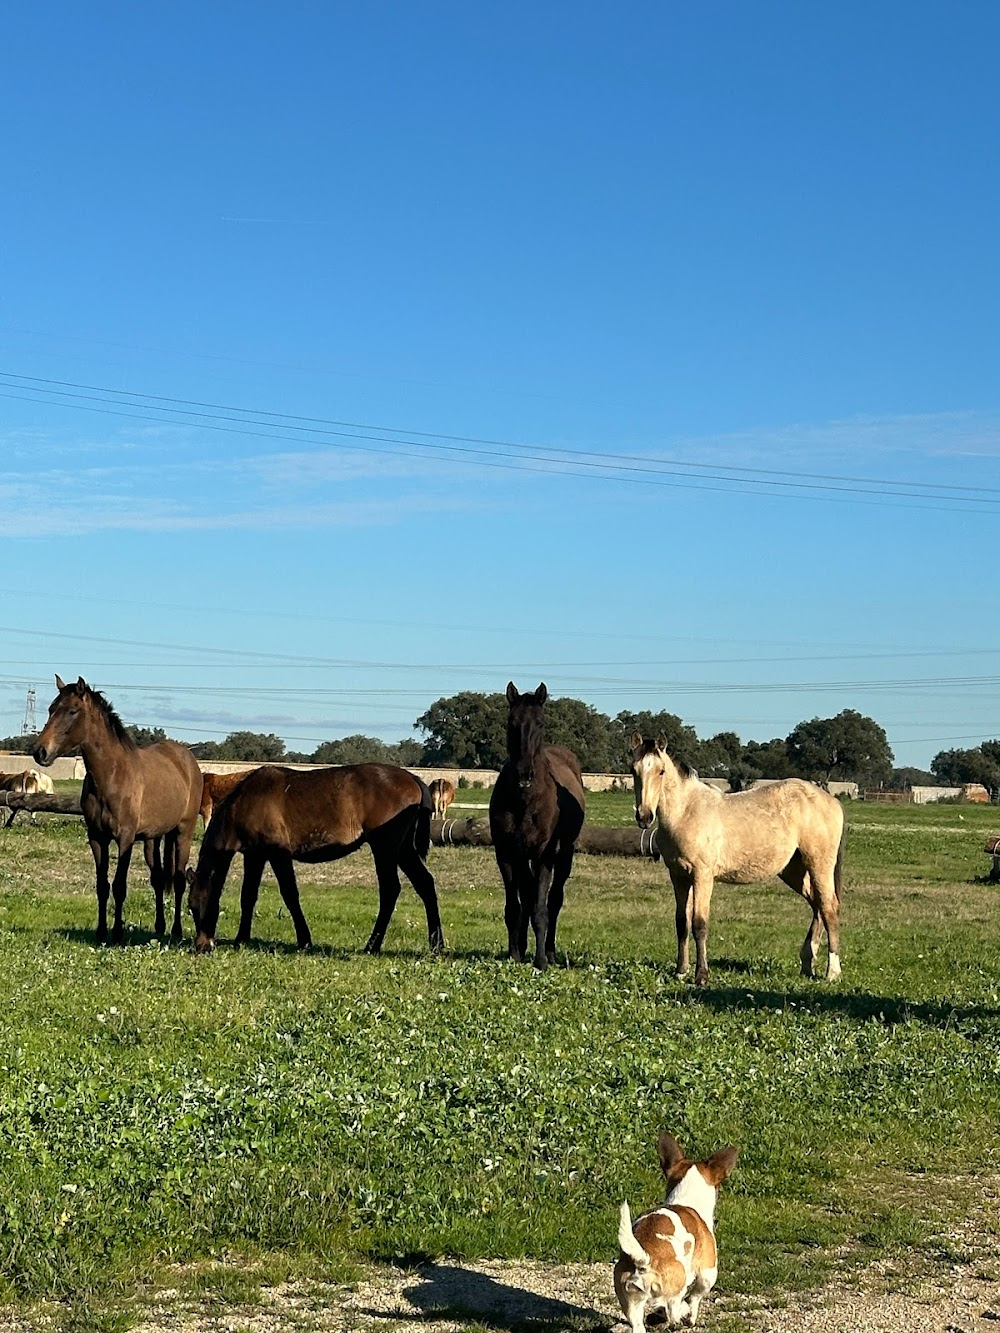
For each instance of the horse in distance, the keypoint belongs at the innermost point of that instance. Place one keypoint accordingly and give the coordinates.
(791, 829)
(442, 794)
(536, 813)
(150, 794)
(279, 815)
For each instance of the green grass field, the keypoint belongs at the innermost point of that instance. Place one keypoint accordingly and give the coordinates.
(300, 1111)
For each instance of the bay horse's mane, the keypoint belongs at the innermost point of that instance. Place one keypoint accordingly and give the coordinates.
(111, 717)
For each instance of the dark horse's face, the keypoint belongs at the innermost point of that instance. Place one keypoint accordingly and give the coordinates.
(67, 722)
(525, 726)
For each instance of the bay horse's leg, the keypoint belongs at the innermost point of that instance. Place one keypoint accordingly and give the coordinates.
(701, 909)
(284, 870)
(208, 921)
(151, 851)
(119, 886)
(385, 853)
(560, 874)
(540, 914)
(180, 842)
(413, 867)
(100, 846)
(512, 907)
(253, 869)
(682, 882)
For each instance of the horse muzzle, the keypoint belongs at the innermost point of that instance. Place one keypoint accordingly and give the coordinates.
(41, 756)
(643, 817)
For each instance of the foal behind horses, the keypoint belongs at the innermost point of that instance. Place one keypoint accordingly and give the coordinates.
(536, 813)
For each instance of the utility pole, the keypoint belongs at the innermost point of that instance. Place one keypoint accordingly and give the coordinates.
(29, 727)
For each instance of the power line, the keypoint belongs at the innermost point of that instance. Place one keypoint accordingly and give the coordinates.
(507, 455)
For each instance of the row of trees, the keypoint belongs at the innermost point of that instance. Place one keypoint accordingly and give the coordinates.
(468, 730)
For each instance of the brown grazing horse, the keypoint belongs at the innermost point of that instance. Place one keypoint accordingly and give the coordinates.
(791, 829)
(442, 794)
(128, 794)
(536, 813)
(216, 786)
(281, 815)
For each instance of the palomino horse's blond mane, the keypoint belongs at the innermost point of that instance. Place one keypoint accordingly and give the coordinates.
(791, 829)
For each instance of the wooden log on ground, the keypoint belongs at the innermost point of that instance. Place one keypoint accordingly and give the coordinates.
(593, 840)
(46, 802)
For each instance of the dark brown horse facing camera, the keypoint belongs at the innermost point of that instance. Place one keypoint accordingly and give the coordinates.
(129, 794)
(280, 815)
(536, 813)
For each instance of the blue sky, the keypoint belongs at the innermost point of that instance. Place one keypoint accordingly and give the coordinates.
(351, 355)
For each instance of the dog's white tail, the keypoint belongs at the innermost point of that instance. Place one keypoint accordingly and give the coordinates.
(627, 1242)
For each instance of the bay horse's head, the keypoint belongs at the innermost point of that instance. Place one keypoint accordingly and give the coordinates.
(67, 722)
(200, 902)
(649, 767)
(525, 728)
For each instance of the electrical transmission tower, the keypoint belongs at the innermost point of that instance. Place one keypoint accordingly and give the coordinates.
(29, 726)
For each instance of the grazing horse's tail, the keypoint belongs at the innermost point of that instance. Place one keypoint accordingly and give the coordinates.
(422, 823)
(838, 868)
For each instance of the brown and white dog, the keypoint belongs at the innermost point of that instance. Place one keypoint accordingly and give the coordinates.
(668, 1258)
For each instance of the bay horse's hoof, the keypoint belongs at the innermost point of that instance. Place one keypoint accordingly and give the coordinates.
(701, 979)
(307, 943)
(204, 944)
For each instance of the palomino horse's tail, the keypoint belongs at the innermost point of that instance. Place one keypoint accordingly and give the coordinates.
(838, 869)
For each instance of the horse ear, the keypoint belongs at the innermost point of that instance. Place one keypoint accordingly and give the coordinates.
(541, 694)
(669, 1152)
(636, 740)
(81, 685)
(60, 683)
(719, 1166)
(189, 876)
(512, 694)
(661, 742)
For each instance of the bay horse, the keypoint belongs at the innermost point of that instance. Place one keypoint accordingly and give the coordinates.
(129, 793)
(536, 813)
(442, 794)
(280, 815)
(214, 786)
(791, 829)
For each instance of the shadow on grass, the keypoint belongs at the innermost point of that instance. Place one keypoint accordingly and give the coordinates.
(449, 1292)
(861, 1007)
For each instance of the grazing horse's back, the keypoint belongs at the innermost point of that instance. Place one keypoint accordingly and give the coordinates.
(280, 815)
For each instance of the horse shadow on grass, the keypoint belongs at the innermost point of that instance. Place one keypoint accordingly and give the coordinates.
(860, 1006)
(448, 1292)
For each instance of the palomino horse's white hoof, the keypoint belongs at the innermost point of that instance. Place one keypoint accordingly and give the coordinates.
(833, 968)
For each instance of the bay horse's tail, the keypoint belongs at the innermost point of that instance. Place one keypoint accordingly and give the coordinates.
(422, 823)
(838, 869)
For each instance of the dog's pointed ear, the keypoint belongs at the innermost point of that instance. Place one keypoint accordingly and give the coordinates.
(512, 694)
(541, 694)
(719, 1166)
(60, 683)
(636, 740)
(669, 1152)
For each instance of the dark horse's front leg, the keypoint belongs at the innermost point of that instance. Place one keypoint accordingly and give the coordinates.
(253, 869)
(512, 909)
(155, 864)
(119, 886)
(540, 914)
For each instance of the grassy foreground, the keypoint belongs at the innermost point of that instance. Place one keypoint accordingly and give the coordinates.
(156, 1107)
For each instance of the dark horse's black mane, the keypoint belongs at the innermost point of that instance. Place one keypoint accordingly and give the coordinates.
(111, 717)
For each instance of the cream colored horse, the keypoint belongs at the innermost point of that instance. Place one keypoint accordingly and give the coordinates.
(791, 829)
